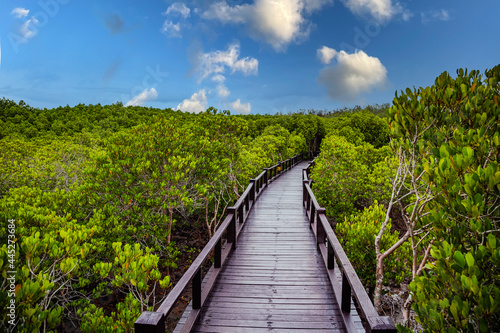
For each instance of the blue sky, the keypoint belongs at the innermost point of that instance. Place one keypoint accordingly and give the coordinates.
(262, 56)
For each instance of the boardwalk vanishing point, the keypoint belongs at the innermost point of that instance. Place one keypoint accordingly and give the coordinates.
(275, 279)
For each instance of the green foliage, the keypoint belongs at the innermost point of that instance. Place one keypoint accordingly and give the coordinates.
(459, 151)
(98, 193)
(274, 145)
(23, 120)
(93, 318)
(357, 236)
(348, 177)
(41, 163)
(369, 127)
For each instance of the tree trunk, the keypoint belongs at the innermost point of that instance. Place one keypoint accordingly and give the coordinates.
(169, 224)
(377, 302)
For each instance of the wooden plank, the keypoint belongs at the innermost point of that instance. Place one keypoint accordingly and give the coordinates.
(274, 324)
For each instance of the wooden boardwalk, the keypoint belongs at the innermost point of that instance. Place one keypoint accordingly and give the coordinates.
(275, 280)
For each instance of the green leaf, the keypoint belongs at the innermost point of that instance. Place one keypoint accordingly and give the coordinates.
(470, 259)
(459, 259)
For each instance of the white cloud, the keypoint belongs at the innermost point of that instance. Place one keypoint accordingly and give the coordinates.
(26, 30)
(435, 15)
(218, 78)
(196, 104)
(222, 90)
(143, 97)
(218, 61)
(226, 14)
(277, 23)
(245, 108)
(178, 8)
(170, 29)
(20, 12)
(380, 10)
(352, 75)
(326, 54)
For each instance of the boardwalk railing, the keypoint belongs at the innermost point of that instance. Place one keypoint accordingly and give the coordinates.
(232, 224)
(332, 250)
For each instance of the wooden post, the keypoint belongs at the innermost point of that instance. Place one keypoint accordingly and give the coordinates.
(308, 202)
(313, 213)
(346, 294)
(150, 322)
(331, 256)
(241, 215)
(253, 192)
(247, 201)
(196, 288)
(218, 254)
(320, 229)
(231, 229)
(381, 325)
(266, 178)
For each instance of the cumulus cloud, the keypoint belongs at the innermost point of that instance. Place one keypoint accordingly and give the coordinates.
(326, 54)
(218, 62)
(27, 30)
(224, 13)
(380, 10)
(178, 8)
(114, 23)
(144, 96)
(222, 90)
(196, 104)
(277, 23)
(170, 29)
(218, 78)
(352, 75)
(237, 107)
(20, 12)
(434, 15)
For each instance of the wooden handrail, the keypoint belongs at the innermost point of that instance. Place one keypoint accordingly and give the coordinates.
(332, 250)
(155, 321)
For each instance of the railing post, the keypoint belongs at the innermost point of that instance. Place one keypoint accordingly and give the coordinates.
(331, 257)
(320, 229)
(218, 254)
(232, 228)
(247, 201)
(253, 192)
(241, 215)
(346, 294)
(304, 192)
(266, 178)
(308, 202)
(150, 322)
(196, 289)
(381, 325)
(313, 213)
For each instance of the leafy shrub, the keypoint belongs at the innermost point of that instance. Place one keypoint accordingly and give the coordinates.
(457, 121)
(357, 236)
(349, 177)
